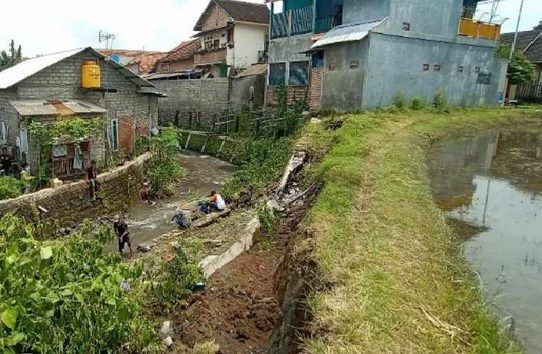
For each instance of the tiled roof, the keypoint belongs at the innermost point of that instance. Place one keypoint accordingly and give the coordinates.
(239, 11)
(185, 50)
(146, 60)
(530, 42)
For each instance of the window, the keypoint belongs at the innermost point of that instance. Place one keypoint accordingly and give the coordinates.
(436, 67)
(332, 65)
(216, 44)
(277, 74)
(114, 134)
(460, 68)
(354, 64)
(299, 73)
(477, 69)
(406, 26)
(425, 67)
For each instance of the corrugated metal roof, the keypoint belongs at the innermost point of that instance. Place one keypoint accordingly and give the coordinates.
(29, 67)
(55, 108)
(347, 33)
(253, 70)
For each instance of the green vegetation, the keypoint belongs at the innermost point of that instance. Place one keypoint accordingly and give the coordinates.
(520, 69)
(390, 270)
(165, 168)
(12, 57)
(65, 296)
(10, 188)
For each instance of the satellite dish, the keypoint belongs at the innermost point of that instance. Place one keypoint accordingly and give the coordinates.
(115, 58)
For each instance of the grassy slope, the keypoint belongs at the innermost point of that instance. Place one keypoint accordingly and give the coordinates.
(398, 280)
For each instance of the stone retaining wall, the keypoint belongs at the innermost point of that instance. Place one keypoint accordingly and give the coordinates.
(70, 204)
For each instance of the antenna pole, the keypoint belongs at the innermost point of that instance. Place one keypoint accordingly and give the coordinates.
(517, 31)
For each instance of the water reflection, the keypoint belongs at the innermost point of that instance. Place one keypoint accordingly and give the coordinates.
(493, 182)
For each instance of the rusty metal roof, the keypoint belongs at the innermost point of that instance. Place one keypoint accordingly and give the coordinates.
(55, 108)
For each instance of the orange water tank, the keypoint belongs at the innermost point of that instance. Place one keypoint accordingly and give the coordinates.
(90, 75)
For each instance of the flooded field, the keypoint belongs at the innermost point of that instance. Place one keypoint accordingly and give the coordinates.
(490, 185)
(204, 173)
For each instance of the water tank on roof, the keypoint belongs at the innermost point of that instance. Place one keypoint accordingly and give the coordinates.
(90, 74)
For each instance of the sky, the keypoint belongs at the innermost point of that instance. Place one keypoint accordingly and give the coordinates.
(47, 26)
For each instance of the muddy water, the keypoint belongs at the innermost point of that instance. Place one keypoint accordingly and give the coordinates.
(491, 184)
(204, 173)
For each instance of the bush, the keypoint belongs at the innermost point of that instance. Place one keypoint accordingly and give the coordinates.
(441, 100)
(399, 100)
(418, 104)
(10, 188)
(64, 296)
(165, 168)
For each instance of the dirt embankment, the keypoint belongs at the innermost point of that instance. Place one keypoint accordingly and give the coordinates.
(250, 305)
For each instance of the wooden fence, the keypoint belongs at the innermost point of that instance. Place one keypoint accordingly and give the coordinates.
(531, 91)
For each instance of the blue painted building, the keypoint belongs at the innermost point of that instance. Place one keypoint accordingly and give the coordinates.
(360, 54)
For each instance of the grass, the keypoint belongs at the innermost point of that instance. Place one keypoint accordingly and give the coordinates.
(392, 276)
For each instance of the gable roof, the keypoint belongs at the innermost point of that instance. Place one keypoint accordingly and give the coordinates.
(240, 11)
(30, 67)
(144, 59)
(529, 42)
(185, 50)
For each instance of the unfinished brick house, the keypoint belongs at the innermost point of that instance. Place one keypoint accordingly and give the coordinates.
(180, 58)
(52, 87)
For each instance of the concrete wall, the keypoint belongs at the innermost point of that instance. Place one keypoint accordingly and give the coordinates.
(355, 11)
(70, 204)
(396, 66)
(8, 114)
(197, 100)
(248, 41)
(240, 96)
(343, 87)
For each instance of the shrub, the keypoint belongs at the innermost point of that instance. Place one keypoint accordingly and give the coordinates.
(10, 188)
(64, 296)
(399, 100)
(165, 168)
(441, 100)
(418, 104)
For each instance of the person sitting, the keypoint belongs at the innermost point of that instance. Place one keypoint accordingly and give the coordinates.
(144, 192)
(6, 161)
(182, 219)
(216, 202)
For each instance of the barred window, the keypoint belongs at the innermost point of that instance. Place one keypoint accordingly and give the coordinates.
(277, 74)
(299, 73)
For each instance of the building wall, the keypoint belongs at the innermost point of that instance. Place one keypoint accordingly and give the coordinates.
(343, 87)
(248, 41)
(217, 18)
(196, 101)
(179, 65)
(355, 11)
(240, 95)
(8, 114)
(70, 204)
(396, 65)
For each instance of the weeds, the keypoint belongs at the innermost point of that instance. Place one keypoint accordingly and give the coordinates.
(165, 168)
(10, 188)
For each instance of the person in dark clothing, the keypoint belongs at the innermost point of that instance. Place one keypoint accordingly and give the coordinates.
(92, 176)
(182, 219)
(6, 161)
(123, 236)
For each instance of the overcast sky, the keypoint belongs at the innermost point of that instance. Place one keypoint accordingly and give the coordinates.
(46, 26)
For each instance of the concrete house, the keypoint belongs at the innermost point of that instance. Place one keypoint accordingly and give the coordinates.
(530, 43)
(359, 54)
(53, 87)
(232, 34)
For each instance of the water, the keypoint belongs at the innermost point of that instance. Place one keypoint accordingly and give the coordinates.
(492, 184)
(204, 174)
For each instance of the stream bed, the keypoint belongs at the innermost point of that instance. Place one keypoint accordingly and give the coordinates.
(490, 186)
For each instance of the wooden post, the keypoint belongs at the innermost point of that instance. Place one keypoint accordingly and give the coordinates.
(221, 146)
(188, 141)
(205, 144)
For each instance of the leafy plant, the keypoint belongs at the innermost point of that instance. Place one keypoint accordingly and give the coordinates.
(441, 100)
(418, 104)
(64, 296)
(267, 219)
(165, 168)
(399, 100)
(12, 57)
(10, 188)
(520, 69)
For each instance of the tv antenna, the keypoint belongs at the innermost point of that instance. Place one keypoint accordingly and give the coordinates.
(108, 38)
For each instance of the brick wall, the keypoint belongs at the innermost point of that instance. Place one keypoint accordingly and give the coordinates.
(315, 91)
(70, 204)
(295, 93)
(212, 57)
(217, 18)
(196, 101)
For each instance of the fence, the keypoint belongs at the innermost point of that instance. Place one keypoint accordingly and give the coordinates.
(530, 91)
(292, 22)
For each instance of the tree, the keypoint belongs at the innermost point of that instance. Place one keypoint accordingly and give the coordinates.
(520, 69)
(12, 57)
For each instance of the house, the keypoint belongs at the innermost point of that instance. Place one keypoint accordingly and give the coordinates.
(530, 43)
(360, 54)
(232, 34)
(140, 62)
(79, 83)
(180, 58)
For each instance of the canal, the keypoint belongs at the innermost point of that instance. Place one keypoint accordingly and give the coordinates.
(490, 186)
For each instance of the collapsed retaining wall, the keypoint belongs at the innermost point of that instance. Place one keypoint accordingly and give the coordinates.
(70, 204)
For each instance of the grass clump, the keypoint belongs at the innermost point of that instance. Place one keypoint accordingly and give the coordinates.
(10, 188)
(399, 280)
